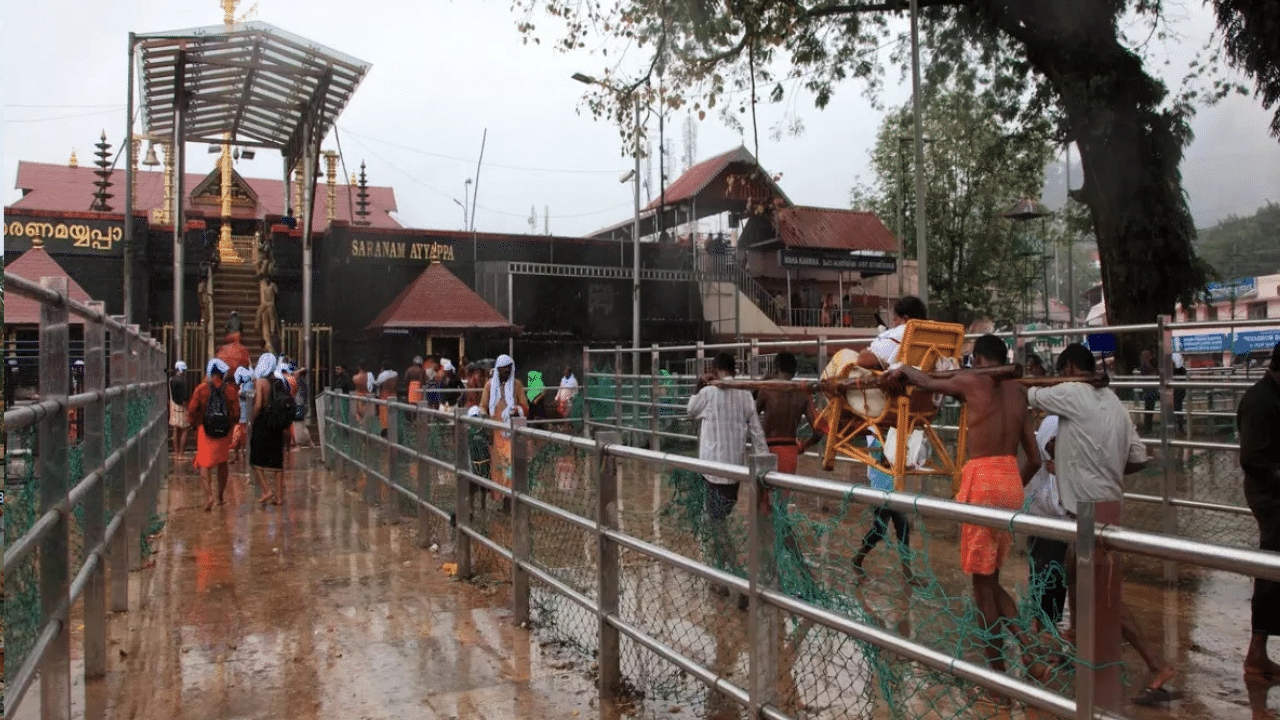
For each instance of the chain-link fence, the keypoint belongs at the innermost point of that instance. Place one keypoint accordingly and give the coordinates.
(872, 615)
(84, 454)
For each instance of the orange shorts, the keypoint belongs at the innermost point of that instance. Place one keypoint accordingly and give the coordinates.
(788, 453)
(991, 482)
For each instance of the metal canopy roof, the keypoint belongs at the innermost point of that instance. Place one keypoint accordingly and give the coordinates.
(259, 83)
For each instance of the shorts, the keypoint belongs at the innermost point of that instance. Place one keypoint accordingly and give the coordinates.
(991, 482)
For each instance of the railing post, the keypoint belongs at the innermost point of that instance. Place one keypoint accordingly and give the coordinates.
(618, 423)
(584, 388)
(655, 441)
(390, 498)
(117, 480)
(323, 401)
(138, 516)
(1097, 603)
(425, 471)
(95, 416)
(53, 466)
(822, 354)
(608, 575)
(462, 495)
(370, 482)
(762, 568)
(520, 531)
(754, 361)
(1170, 479)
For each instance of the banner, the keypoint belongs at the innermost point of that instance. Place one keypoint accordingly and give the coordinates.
(837, 260)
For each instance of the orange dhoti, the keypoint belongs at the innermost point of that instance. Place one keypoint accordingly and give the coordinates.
(415, 392)
(991, 482)
(211, 452)
(788, 452)
(239, 436)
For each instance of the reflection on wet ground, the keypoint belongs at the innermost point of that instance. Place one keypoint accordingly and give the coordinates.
(314, 610)
(319, 609)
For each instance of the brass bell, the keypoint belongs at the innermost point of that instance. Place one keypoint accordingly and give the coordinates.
(151, 160)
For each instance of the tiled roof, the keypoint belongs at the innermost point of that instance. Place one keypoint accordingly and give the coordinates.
(59, 187)
(832, 229)
(697, 178)
(438, 300)
(33, 265)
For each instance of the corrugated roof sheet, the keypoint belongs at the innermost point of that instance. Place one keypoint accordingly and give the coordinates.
(67, 189)
(438, 300)
(33, 265)
(832, 229)
(697, 178)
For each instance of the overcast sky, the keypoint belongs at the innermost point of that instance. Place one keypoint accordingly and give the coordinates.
(443, 72)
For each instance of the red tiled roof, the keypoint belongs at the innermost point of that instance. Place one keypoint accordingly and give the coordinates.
(67, 189)
(438, 300)
(697, 178)
(33, 265)
(832, 229)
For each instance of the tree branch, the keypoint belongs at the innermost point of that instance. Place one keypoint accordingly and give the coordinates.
(890, 6)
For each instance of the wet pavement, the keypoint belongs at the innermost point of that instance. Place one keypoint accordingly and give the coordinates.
(313, 609)
(319, 609)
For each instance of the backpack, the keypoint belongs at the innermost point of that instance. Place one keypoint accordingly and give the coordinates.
(217, 418)
(281, 407)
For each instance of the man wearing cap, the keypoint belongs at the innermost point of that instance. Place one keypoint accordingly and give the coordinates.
(502, 398)
(213, 453)
(179, 396)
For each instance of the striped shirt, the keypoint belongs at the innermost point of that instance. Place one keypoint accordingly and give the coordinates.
(727, 416)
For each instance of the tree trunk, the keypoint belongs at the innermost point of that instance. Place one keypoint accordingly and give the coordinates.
(1130, 152)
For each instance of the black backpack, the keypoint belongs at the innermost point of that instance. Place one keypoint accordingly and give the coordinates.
(217, 418)
(281, 407)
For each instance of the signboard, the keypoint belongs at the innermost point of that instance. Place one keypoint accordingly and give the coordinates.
(399, 250)
(1206, 343)
(1232, 288)
(66, 235)
(1248, 341)
(837, 260)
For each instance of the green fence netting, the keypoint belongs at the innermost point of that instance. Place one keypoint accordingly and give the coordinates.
(21, 587)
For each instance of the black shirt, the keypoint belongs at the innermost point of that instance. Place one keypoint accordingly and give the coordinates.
(1258, 419)
(344, 383)
(179, 390)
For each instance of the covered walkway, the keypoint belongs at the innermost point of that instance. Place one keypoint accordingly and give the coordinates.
(314, 609)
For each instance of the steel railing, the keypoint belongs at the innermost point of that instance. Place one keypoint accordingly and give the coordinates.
(1217, 394)
(117, 492)
(767, 601)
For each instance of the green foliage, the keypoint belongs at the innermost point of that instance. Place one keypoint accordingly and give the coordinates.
(1244, 246)
(981, 265)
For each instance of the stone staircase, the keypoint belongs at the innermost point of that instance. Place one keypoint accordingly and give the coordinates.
(235, 287)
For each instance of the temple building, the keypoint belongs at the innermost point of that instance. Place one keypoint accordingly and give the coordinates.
(779, 271)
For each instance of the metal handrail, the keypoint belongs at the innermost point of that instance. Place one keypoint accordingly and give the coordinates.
(1250, 562)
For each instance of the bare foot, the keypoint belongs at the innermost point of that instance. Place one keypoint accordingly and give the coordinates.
(1266, 669)
(208, 506)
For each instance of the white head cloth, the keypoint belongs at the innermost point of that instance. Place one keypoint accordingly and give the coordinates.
(179, 366)
(508, 387)
(243, 375)
(266, 365)
(218, 364)
(1177, 361)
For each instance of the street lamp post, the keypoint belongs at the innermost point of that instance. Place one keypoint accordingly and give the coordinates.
(635, 227)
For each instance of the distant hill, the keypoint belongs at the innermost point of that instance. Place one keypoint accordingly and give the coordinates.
(1243, 246)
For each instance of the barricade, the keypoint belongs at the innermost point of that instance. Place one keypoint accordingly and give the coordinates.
(79, 505)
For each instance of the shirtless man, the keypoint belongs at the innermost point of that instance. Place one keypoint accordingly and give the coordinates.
(361, 382)
(782, 412)
(997, 423)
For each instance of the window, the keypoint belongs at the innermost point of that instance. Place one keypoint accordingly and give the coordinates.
(1210, 312)
(1258, 311)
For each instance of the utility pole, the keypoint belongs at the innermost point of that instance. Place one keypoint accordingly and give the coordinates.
(922, 245)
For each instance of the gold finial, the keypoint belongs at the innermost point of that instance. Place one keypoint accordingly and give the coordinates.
(229, 11)
(73, 162)
(353, 178)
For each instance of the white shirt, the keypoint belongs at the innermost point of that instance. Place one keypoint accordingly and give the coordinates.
(568, 388)
(1096, 439)
(1041, 493)
(887, 344)
(727, 416)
